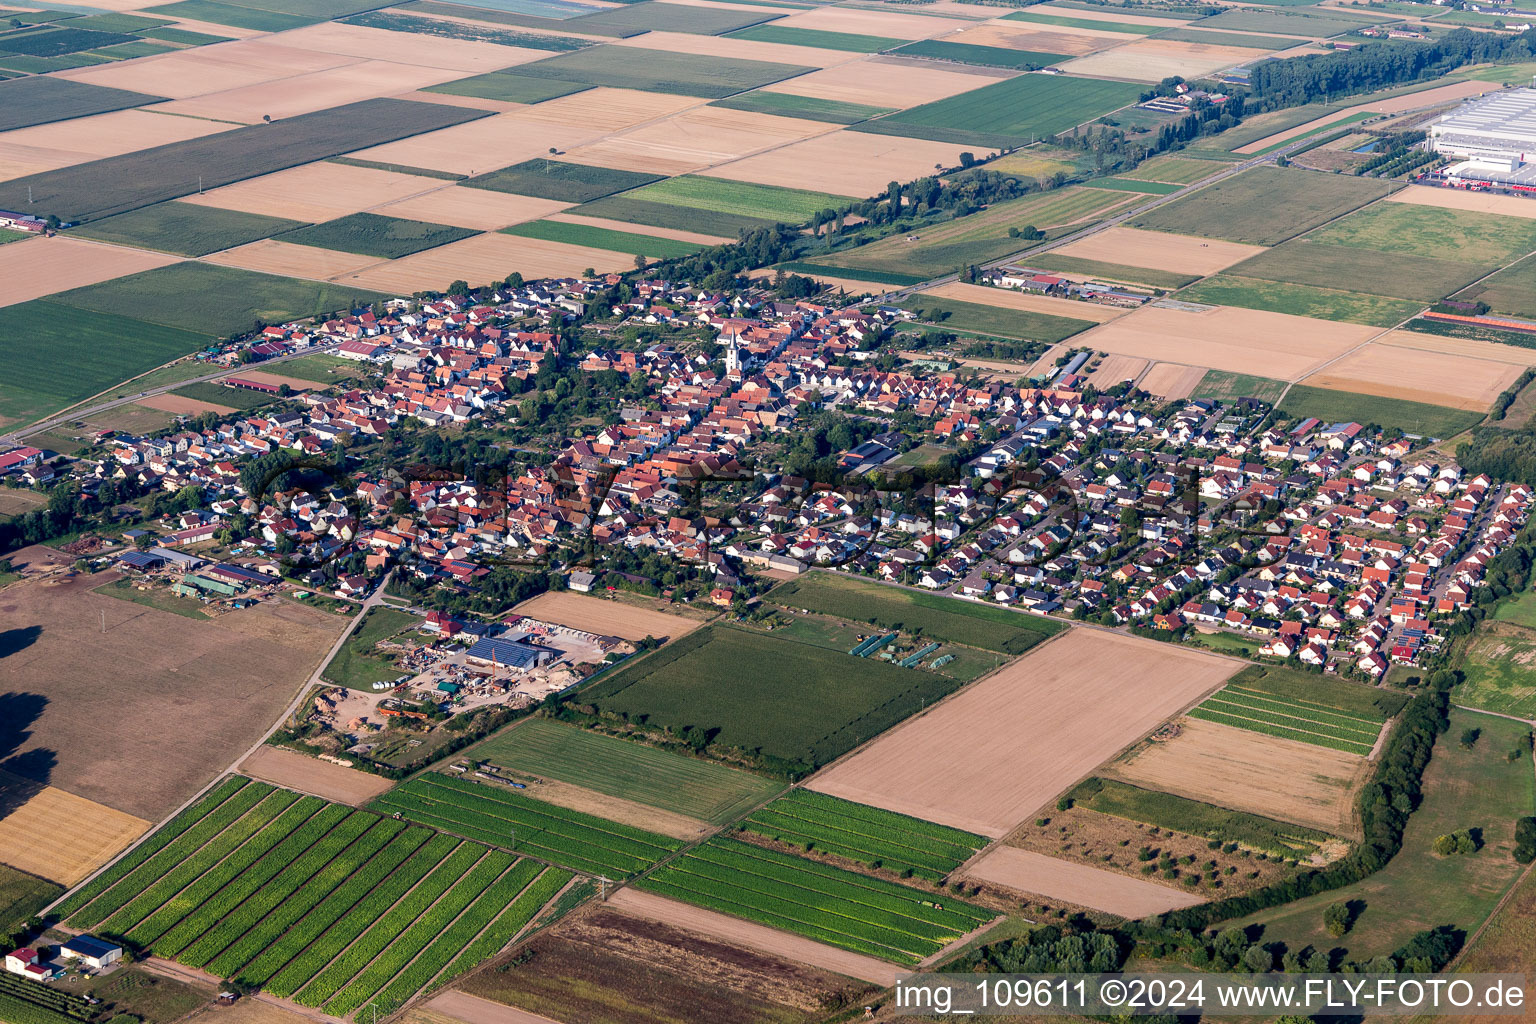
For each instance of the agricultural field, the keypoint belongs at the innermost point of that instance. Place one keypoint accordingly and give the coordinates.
(1275, 713)
(354, 665)
(556, 179)
(1150, 188)
(1354, 269)
(1434, 232)
(1263, 206)
(38, 100)
(186, 229)
(1040, 17)
(939, 618)
(1478, 788)
(658, 71)
(1410, 417)
(852, 42)
(1156, 249)
(1195, 818)
(502, 817)
(659, 16)
(1116, 272)
(23, 895)
(1511, 290)
(843, 909)
(1496, 667)
(1225, 386)
(808, 107)
(594, 237)
(1283, 22)
(233, 15)
(630, 771)
(370, 234)
(737, 198)
(670, 216)
(865, 835)
(1011, 112)
(985, 56)
(300, 896)
(1302, 300)
(957, 315)
(507, 87)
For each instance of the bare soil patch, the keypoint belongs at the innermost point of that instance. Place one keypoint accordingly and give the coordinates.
(1025, 871)
(293, 770)
(256, 1010)
(477, 208)
(1152, 60)
(606, 617)
(270, 256)
(1008, 298)
(1158, 250)
(1113, 369)
(488, 257)
(1248, 771)
(303, 94)
(1041, 38)
(1172, 381)
(843, 163)
(880, 83)
(316, 192)
(1227, 338)
(1445, 198)
(461, 1006)
(1291, 133)
(42, 266)
(277, 380)
(1001, 748)
(182, 406)
(57, 835)
(738, 49)
(1418, 375)
(201, 692)
(1430, 97)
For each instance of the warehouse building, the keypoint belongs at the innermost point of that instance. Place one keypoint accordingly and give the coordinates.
(1494, 134)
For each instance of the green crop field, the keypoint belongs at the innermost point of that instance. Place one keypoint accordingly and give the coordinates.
(186, 229)
(1182, 170)
(604, 238)
(508, 88)
(631, 771)
(1262, 206)
(395, 21)
(1194, 818)
(741, 198)
(984, 56)
(59, 355)
(1247, 40)
(1119, 184)
(668, 215)
(995, 320)
(1419, 889)
(101, 188)
(1293, 23)
(1227, 387)
(626, 67)
(213, 300)
(810, 107)
(181, 37)
(29, 101)
(1012, 112)
(267, 887)
(1512, 290)
(761, 693)
(1290, 718)
(849, 41)
(353, 665)
(1409, 229)
(1301, 300)
(841, 908)
(1410, 417)
(556, 179)
(233, 15)
(1496, 668)
(22, 896)
(1347, 268)
(370, 234)
(934, 617)
(659, 16)
(868, 835)
(1164, 279)
(51, 41)
(501, 817)
(1040, 18)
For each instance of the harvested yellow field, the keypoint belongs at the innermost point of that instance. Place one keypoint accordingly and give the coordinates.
(1095, 888)
(463, 56)
(183, 406)
(1418, 375)
(1291, 133)
(1152, 60)
(605, 616)
(738, 49)
(208, 28)
(873, 23)
(1007, 298)
(1430, 97)
(60, 836)
(467, 102)
(1000, 749)
(303, 94)
(1226, 338)
(843, 163)
(881, 83)
(1113, 369)
(1116, 15)
(1171, 380)
(270, 256)
(488, 257)
(479, 147)
(316, 192)
(1158, 250)
(1248, 771)
(40, 266)
(1463, 347)
(622, 154)
(46, 147)
(607, 110)
(619, 225)
(1034, 163)
(1422, 195)
(1020, 35)
(476, 208)
(707, 136)
(206, 69)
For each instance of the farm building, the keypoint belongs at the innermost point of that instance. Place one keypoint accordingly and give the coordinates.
(1495, 134)
(140, 560)
(91, 951)
(29, 964)
(506, 653)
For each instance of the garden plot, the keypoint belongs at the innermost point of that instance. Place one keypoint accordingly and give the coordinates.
(1152, 60)
(1080, 884)
(411, 49)
(316, 192)
(739, 49)
(205, 69)
(41, 266)
(62, 143)
(1009, 298)
(1227, 338)
(477, 208)
(1159, 250)
(1418, 375)
(879, 82)
(1445, 198)
(1004, 747)
(302, 94)
(843, 163)
(488, 257)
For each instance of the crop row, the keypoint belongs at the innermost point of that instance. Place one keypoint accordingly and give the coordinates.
(610, 834)
(917, 833)
(887, 843)
(273, 926)
(1303, 702)
(387, 927)
(308, 964)
(512, 920)
(404, 950)
(825, 841)
(201, 860)
(1283, 732)
(172, 854)
(329, 910)
(1298, 721)
(323, 844)
(187, 939)
(49, 998)
(18, 1011)
(173, 828)
(195, 895)
(1311, 712)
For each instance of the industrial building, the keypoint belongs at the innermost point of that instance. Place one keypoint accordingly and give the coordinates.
(1493, 135)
